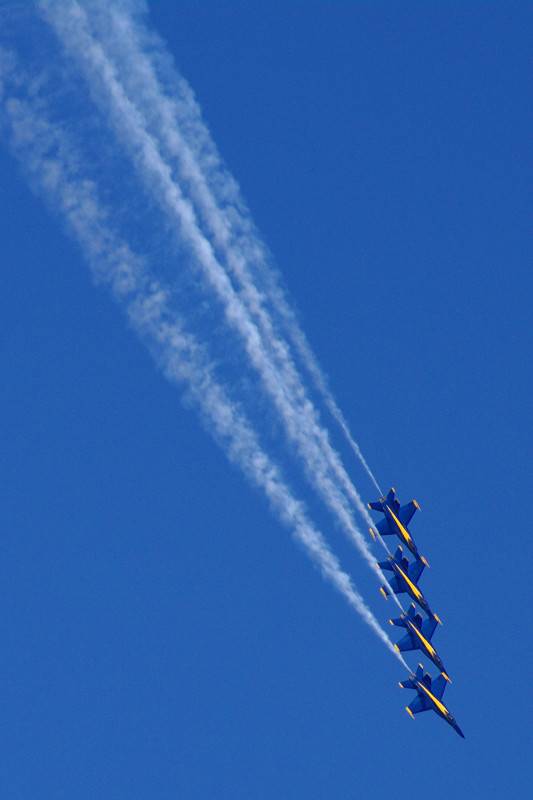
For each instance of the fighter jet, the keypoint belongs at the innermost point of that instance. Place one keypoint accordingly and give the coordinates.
(418, 636)
(396, 519)
(429, 696)
(405, 578)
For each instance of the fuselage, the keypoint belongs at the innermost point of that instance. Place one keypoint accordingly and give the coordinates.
(436, 704)
(401, 530)
(410, 587)
(425, 646)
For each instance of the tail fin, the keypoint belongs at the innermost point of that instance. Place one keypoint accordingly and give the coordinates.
(400, 621)
(408, 684)
(390, 499)
(411, 612)
(398, 555)
(417, 620)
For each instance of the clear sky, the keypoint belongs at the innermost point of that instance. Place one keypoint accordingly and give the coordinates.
(163, 635)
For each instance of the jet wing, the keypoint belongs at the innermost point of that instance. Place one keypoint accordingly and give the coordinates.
(438, 685)
(383, 527)
(406, 512)
(406, 643)
(427, 629)
(418, 705)
(416, 569)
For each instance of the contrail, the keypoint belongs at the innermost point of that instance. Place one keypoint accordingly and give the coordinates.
(321, 464)
(54, 170)
(173, 116)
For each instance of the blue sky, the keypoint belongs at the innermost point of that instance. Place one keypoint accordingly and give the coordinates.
(163, 635)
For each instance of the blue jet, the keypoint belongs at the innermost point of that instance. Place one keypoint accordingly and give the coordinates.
(418, 635)
(396, 519)
(429, 696)
(405, 578)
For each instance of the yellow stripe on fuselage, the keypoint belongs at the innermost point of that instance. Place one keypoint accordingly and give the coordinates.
(442, 708)
(424, 641)
(403, 531)
(416, 591)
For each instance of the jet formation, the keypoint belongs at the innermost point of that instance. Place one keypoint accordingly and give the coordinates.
(419, 631)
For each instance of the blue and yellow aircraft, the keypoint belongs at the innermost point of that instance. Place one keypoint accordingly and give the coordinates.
(396, 519)
(419, 635)
(405, 578)
(429, 696)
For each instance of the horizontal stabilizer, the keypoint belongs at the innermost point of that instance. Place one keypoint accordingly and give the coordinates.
(406, 684)
(398, 621)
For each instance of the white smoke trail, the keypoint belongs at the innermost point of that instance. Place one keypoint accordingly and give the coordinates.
(321, 464)
(54, 170)
(172, 114)
(173, 117)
